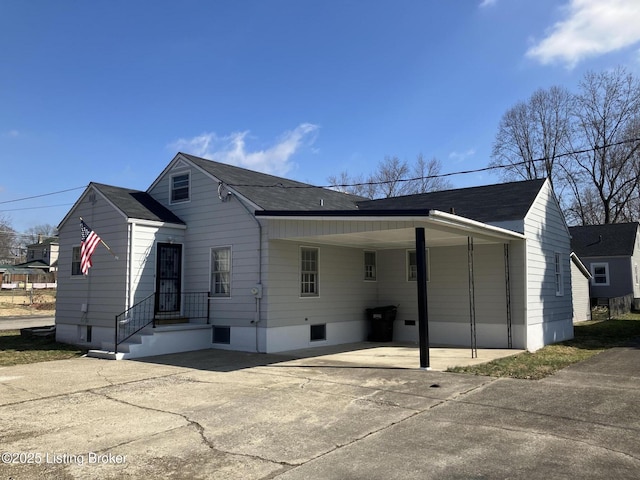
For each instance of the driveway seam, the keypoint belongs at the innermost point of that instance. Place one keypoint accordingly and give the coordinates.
(198, 428)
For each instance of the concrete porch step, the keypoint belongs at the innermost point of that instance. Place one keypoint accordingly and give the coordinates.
(105, 354)
(171, 321)
(162, 340)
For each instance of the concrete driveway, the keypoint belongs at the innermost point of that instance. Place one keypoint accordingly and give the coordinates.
(228, 415)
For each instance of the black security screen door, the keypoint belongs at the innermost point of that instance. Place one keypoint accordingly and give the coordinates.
(168, 278)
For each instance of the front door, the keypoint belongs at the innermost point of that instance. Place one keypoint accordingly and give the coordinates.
(168, 278)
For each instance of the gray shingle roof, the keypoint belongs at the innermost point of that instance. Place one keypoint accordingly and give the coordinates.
(137, 204)
(611, 240)
(276, 193)
(489, 203)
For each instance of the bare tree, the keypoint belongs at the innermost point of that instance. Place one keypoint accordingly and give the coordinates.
(391, 178)
(7, 241)
(532, 134)
(427, 176)
(357, 185)
(33, 234)
(607, 116)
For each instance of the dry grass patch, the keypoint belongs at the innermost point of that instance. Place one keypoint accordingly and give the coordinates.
(15, 303)
(16, 349)
(590, 338)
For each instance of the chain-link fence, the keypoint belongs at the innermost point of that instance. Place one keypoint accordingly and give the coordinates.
(40, 296)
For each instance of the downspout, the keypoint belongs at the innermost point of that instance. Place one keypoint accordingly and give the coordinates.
(258, 296)
(130, 267)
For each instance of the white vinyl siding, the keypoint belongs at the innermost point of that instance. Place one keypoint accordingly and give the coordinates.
(142, 267)
(549, 316)
(107, 278)
(211, 222)
(580, 295)
(344, 296)
(635, 260)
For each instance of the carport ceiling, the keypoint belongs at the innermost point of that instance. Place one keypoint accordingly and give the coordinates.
(385, 239)
(441, 229)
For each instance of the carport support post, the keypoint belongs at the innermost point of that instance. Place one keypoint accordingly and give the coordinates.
(423, 315)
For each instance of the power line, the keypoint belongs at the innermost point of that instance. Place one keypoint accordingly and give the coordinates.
(442, 175)
(359, 184)
(36, 208)
(42, 195)
(24, 235)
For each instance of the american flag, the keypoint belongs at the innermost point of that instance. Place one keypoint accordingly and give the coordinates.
(88, 245)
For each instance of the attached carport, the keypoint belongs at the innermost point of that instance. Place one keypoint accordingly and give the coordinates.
(389, 230)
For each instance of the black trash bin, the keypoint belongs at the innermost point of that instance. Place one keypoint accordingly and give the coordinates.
(381, 320)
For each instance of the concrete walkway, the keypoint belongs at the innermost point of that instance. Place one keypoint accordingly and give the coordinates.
(395, 355)
(229, 415)
(26, 321)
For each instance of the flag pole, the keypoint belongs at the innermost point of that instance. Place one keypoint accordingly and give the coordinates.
(105, 245)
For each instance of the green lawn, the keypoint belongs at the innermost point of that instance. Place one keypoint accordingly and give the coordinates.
(590, 338)
(16, 349)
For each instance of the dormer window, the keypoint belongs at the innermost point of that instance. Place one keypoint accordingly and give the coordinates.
(180, 188)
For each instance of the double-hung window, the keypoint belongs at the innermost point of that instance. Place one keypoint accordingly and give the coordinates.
(309, 272)
(180, 191)
(75, 261)
(221, 272)
(600, 274)
(370, 266)
(559, 277)
(412, 265)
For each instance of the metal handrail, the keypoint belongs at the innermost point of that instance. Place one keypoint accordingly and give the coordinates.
(134, 319)
(188, 305)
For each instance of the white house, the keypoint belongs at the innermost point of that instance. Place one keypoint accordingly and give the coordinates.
(216, 256)
(580, 279)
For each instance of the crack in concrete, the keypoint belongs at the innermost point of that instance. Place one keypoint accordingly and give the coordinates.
(104, 377)
(19, 389)
(376, 388)
(198, 428)
(437, 404)
(85, 390)
(546, 415)
(540, 434)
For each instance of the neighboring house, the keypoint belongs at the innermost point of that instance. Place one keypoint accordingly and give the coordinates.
(580, 279)
(43, 254)
(42, 261)
(222, 257)
(612, 254)
(44, 251)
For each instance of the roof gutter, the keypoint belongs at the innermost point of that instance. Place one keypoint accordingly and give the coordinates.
(474, 225)
(347, 215)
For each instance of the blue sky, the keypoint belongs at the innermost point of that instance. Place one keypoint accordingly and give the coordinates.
(110, 91)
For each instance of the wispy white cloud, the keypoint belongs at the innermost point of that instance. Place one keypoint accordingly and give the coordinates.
(458, 157)
(11, 134)
(233, 149)
(591, 28)
(488, 3)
